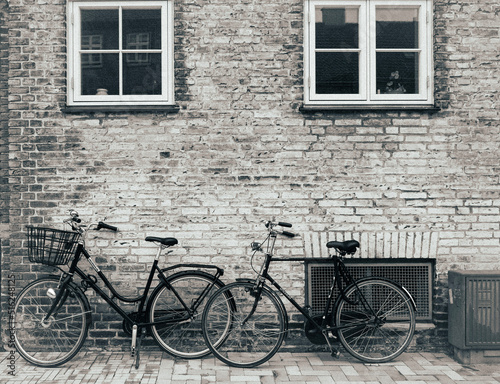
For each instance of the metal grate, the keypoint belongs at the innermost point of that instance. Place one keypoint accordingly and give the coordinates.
(416, 277)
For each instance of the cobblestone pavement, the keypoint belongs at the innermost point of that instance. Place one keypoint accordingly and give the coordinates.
(286, 367)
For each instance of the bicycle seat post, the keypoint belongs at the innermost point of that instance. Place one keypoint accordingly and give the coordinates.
(161, 247)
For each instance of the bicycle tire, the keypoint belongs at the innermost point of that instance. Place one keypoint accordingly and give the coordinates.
(246, 344)
(181, 339)
(57, 340)
(375, 338)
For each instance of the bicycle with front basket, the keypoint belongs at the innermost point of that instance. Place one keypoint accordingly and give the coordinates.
(52, 315)
(373, 318)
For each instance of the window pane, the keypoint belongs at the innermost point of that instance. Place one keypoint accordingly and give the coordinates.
(337, 72)
(397, 72)
(143, 78)
(100, 77)
(142, 28)
(336, 27)
(397, 27)
(99, 29)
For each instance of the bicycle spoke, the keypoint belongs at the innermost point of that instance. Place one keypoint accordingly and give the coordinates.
(69, 317)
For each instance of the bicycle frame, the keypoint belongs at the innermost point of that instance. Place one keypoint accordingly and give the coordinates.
(340, 273)
(142, 299)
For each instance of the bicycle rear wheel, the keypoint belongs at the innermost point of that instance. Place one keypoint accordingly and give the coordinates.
(51, 342)
(257, 329)
(377, 321)
(181, 335)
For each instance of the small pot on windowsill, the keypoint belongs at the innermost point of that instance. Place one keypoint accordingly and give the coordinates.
(397, 90)
(102, 91)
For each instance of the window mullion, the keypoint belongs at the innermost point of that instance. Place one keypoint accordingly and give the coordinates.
(364, 45)
(120, 48)
(372, 52)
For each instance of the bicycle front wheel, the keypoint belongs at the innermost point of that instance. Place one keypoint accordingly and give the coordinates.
(257, 325)
(53, 341)
(179, 330)
(375, 320)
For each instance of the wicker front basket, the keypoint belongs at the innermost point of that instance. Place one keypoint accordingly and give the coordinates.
(51, 246)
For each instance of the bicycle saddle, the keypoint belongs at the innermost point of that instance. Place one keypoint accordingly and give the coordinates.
(344, 246)
(169, 241)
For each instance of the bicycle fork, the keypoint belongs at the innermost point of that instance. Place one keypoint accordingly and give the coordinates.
(58, 298)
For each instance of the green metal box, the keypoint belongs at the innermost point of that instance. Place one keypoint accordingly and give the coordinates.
(474, 310)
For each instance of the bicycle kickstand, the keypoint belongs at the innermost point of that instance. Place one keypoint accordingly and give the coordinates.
(333, 351)
(138, 352)
(136, 344)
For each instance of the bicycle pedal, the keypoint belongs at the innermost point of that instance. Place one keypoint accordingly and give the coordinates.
(335, 354)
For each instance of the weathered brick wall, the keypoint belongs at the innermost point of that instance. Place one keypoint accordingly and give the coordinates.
(240, 152)
(4, 146)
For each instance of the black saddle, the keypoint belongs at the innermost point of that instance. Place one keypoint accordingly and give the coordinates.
(344, 246)
(168, 241)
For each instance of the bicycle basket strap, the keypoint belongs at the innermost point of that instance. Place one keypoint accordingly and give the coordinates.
(51, 246)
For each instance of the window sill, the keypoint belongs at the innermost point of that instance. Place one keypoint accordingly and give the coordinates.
(306, 108)
(120, 108)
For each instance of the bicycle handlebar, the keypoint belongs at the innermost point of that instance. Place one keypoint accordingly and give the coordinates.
(270, 226)
(75, 221)
(102, 225)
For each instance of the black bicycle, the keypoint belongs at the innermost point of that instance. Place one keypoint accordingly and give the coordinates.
(52, 315)
(374, 318)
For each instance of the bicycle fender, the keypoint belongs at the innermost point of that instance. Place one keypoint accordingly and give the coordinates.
(414, 305)
(190, 272)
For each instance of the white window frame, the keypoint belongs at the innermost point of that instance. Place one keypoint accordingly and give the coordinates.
(367, 63)
(74, 94)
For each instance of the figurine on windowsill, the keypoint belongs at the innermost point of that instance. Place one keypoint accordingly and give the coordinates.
(394, 84)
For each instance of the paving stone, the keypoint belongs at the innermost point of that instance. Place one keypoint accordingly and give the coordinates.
(304, 368)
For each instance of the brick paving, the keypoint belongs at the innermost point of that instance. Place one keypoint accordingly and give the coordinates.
(286, 367)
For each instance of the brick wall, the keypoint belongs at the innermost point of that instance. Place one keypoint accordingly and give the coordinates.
(240, 152)
(4, 146)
